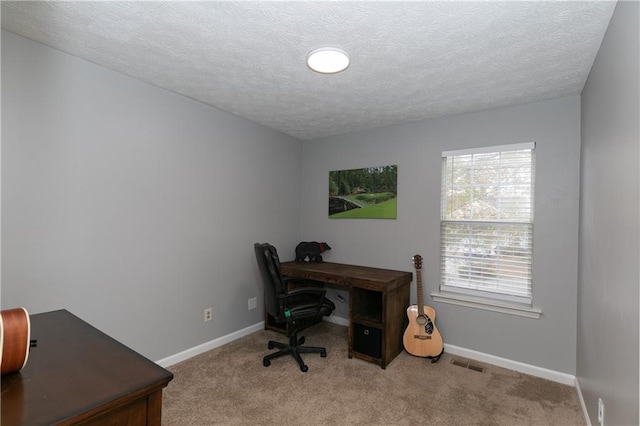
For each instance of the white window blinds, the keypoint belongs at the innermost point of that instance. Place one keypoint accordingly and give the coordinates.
(487, 222)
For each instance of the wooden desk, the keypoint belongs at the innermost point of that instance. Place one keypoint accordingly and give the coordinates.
(378, 301)
(79, 375)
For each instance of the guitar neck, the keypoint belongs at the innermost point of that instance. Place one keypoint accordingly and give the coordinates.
(419, 290)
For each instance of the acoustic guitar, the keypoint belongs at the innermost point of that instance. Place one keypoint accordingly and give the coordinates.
(15, 333)
(422, 338)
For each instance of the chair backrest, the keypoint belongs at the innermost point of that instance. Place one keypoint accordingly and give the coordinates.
(269, 265)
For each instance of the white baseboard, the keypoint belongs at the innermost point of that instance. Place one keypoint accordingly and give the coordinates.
(582, 403)
(337, 320)
(544, 373)
(207, 346)
(556, 376)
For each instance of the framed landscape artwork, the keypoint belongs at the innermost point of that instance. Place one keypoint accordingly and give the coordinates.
(369, 193)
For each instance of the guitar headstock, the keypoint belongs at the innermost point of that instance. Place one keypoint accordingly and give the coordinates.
(417, 261)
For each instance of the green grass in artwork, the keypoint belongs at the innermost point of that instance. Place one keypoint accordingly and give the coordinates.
(385, 210)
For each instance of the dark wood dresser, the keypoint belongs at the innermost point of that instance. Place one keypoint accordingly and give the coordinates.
(78, 375)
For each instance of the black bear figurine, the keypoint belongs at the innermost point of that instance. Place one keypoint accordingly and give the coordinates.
(312, 250)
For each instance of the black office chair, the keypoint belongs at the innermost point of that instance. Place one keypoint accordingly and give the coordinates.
(289, 306)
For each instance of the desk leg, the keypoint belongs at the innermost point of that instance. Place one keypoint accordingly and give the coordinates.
(154, 409)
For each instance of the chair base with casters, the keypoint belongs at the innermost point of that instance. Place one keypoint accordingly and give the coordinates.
(293, 348)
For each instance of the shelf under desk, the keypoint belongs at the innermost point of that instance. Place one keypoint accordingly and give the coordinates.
(378, 300)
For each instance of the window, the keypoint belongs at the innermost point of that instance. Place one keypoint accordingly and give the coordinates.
(487, 224)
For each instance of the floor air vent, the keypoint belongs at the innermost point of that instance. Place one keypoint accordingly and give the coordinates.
(465, 364)
(459, 363)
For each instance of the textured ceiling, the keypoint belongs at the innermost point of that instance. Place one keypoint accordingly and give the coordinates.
(409, 60)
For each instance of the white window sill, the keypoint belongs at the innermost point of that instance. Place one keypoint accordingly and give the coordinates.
(487, 305)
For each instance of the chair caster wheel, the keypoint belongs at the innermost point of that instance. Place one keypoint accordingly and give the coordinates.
(301, 341)
(323, 354)
(266, 362)
(304, 368)
(270, 345)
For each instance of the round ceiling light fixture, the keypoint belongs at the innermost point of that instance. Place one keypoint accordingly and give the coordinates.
(328, 60)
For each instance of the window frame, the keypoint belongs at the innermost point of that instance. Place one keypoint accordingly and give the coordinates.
(521, 305)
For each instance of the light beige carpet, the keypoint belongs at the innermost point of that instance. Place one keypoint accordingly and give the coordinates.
(230, 386)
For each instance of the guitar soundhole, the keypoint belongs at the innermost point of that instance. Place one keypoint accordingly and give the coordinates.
(426, 321)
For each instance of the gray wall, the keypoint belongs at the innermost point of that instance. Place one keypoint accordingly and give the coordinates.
(607, 347)
(133, 207)
(416, 148)
(136, 208)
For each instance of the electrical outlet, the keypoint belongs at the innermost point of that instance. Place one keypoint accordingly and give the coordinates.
(600, 412)
(208, 314)
(253, 303)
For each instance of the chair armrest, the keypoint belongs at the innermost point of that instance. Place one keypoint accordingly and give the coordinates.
(318, 292)
(287, 280)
